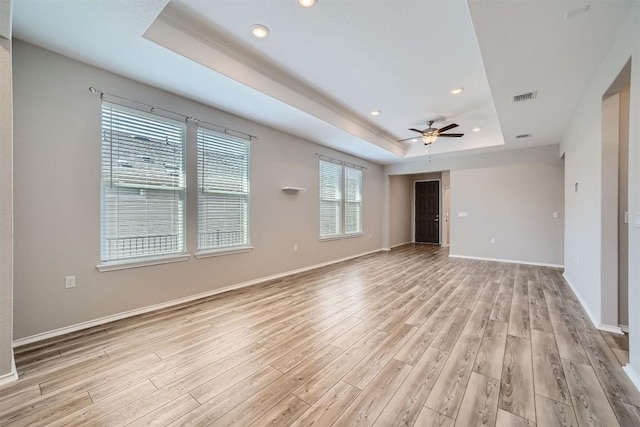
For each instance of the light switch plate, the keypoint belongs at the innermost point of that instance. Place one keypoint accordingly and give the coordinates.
(636, 221)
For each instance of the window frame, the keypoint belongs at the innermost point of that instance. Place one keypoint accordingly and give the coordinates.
(206, 252)
(110, 263)
(342, 234)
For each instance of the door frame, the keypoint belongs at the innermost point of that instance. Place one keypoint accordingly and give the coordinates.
(413, 210)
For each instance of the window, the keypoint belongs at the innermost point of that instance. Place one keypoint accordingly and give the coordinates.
(223, 191)
(352, 200)
(340, 199)
(143, 185)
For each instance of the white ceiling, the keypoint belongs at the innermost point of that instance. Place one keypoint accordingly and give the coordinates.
(323, 69)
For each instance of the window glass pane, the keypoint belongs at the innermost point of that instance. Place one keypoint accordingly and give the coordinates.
(223, 191)
(330, 198)
(143, 185)
(353, 200)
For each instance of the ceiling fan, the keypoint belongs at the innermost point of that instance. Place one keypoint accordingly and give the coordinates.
(431, 134)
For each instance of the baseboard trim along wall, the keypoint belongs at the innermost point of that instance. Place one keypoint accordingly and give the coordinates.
(614, 329)
(97, 322)
(400, 244)
(632, 374)
(510, 261)
(10, 376)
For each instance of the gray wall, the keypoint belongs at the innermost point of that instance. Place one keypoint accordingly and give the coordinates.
(57, 202)
(400, 202)
(6, 206)
(513, 205)
(504, 193)
(582, 146)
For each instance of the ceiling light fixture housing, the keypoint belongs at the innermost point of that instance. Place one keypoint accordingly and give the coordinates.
(456, 91)
(260, 31)
(376, 112)
(307, 3)
(476, 129)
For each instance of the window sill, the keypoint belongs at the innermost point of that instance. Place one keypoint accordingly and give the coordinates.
(222, 252)
(135, 263)
(344, 236)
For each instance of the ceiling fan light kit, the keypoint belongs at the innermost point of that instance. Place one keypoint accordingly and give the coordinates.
(431, 134)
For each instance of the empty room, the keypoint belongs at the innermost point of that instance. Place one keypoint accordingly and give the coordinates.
(320, 212)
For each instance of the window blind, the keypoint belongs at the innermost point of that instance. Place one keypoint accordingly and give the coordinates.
(352, 200)
(223, 191)
(330, 198)
(143, 185)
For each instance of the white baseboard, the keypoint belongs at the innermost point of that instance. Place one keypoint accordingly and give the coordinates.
(614, 329)
(610, 328)
(633, 375)
(399, 244)
(9, 376)
(510, 261)
(147, 309)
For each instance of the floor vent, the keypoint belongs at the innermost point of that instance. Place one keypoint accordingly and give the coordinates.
(528, 96)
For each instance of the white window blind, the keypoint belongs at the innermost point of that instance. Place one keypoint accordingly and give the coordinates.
(223, 191)
(330, 199)
(352, 200)
(143, 185)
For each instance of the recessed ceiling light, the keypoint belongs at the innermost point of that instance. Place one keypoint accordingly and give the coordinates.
(307, 3)
(476, 129)
(456, 91)
(375, 112)
(260, 31)
(414, 140)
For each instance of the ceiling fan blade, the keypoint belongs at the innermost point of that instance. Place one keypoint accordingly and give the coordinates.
(447, 127)
(451, 135)
(416, 130)
(409, 139)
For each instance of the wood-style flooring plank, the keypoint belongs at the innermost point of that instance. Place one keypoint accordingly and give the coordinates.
(478, 320)
(491, 352)
(448, 391)
(552, 413)
(167, 413)
(589, 400)
(448, 335)
(364, 410)
(627, 414)
(480, 402)
(516, 389)
(430, 418)
(569, 345)
(614, 381)
(404, 407)
(329, 407)
(548, 374)
(507, 419)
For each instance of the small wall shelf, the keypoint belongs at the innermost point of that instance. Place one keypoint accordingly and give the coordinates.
(293, 189)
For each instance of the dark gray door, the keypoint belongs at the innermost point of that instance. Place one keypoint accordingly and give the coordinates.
(428, 212)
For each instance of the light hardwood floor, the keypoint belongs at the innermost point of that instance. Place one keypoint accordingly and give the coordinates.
(408, 337)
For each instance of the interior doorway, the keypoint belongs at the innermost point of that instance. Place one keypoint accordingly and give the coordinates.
(427, 212)
(614, 210)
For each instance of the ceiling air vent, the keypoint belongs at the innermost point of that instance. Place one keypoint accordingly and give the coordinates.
(523, 135)
(528, 96)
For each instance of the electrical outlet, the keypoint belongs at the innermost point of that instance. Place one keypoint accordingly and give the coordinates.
(493, 240)
(556, 215)
(70, 282)
(295, 247)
